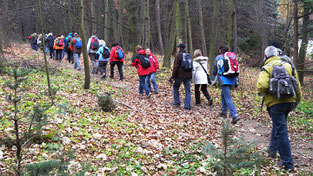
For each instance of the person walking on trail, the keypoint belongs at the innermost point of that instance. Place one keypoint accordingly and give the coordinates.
(33, 41)
(50, 43)
(103, 54)
(117, 58)
(226, 84)
(142, 63)
(280, 100)
(76, 46)
(182, 73)
(63, 51)
(58, 47)
(153, 69)
(200, 76)
(67, 49)
(92, 48)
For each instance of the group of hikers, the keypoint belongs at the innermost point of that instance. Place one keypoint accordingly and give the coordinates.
(278, 81)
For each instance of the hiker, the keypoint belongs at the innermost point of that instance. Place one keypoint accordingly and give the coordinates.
(58, 47)
(104, 56)
(153, 69)
(281, 54)
(76, 47)
(182, 73)
(117, 58)
(67, 49)
(280, 100)
(92, 48)
(142, 63)
(33, 41)
(50, 42)
(226, 83)
(200, 76)
(63, 51)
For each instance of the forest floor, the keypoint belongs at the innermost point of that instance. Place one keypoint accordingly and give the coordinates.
(143, 136)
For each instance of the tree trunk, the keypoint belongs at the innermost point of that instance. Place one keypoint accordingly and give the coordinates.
(148, 35)
(178, 21)
(213, 36)
(295, 30)
(230, 23)
(203, 41)
(44, 48)
(235, 29)
(84, 41)
(106, 20)
(132, 25)
(158, 23)
(189, 27)
(171, 40)
(302, 54)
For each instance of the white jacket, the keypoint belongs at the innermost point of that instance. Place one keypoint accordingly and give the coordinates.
(198, 74)
(89, 50)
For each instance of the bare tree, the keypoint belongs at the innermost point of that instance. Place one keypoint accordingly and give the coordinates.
(203, 41)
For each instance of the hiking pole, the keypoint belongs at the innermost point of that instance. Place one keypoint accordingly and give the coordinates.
(262, 103)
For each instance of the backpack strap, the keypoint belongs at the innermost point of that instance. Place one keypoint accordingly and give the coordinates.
(203, 68)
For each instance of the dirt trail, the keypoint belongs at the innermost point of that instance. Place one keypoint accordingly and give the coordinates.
(202, 122)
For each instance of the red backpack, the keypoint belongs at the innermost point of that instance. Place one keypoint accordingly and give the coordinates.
(230, 66)
(94, 43)
(60, 42)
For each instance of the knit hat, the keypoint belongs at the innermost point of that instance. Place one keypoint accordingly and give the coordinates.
(102, 42)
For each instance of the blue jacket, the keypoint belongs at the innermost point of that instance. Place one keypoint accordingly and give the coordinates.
(100, 51)
(217, 72)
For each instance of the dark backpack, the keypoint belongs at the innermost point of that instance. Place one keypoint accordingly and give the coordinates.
(94, 43)
(119, 53)
(187, 62)
(67, 43)
(282, 85)
(105, 53)
(50, 42)
(144, 61)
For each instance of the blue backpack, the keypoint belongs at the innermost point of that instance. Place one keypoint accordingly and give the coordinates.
(119, 53)
(78, 43)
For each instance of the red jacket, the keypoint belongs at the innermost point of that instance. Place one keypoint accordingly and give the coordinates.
(136, 62)
(154, 63)
(113, 56)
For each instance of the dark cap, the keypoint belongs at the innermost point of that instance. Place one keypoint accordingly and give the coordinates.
(181, 45)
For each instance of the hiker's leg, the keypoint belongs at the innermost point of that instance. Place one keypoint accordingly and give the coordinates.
(197, 93)
(152, 79)
(93, 63)
(188, 94)
(176, 86)
(142, 80)
(279, 119)
(229, 102)
(120, 70)
(205, 91)
(148, 81)
(112, 64)
(224, 103)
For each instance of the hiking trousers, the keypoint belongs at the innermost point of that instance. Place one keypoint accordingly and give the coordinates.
(103, 68)
(227, 102)
(204, 91)
(120, 69)
(151, 79)
(58, 55)
(76, 62)
(143, 85)
(279, 137)
(177, 83)
(93, 63)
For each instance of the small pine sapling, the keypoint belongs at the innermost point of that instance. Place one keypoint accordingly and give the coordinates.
(106, 102)
(234, 154)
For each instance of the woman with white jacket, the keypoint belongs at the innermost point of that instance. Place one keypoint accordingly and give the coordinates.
(200, 78)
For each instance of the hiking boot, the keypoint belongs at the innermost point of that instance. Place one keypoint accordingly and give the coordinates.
(223, 114)
(187, 108)
(235, 120)
(149, 95)
(175, 104)
(271, 153)
(210, 102)
(156, 92)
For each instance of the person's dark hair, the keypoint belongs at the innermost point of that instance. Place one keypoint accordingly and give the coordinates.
(94, 33)
(276, 44)
(223, 49)
(114, 44)
(138, 47)
(58, 35)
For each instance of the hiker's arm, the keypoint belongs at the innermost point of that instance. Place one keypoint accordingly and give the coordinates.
(134, 60)
(156, 63)
(176, 66)
(299, 92)
(112, 54)
(263, 81)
